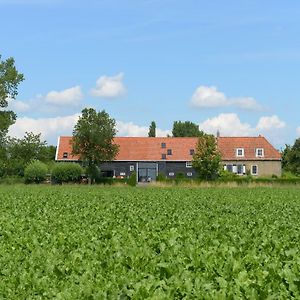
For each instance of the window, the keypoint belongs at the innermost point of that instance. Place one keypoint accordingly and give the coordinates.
(229, 168)
(189, 174)
(240, 152)
(171, 173)
(163, 156)
(254, 170)
(192, 151)
(188, 164)
(131, 168)
(259, 152)
(163, 145)
(122, 173)
(65, 155)
(169, 152)
(239, 169)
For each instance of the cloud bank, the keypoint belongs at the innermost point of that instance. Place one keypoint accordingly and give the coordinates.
(210, 97)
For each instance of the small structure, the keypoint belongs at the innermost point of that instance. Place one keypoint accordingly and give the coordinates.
(169, 156)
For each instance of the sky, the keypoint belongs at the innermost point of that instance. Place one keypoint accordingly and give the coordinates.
(227, 65)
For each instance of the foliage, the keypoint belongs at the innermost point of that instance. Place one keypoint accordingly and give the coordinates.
(206, 160)
(224, 174)
(291, 158)
(93, 138)
(35, 172)
(152, 130)
(18, 153)
(10, 78)
(66, 172)
(186, 129)
(121, 243)
(160, 177)
(132, 179)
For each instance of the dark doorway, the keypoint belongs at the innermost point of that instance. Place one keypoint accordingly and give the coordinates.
(147, 172)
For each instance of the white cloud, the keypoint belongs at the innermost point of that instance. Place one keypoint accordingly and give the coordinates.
(228, 125)
(269, 123)
(71, 96)
(231, 125)
(51, 128)
(18, 106)
(210, 97)
(109, 87)
(131, 129)
(205, 96)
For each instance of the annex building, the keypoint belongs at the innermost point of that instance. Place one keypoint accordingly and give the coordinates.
(150, 156)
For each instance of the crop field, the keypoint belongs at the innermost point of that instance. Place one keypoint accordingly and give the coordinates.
(85, 242)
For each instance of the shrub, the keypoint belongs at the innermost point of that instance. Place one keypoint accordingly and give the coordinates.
(35, 172)
(66, 172)
(132, 179)
(160, 177)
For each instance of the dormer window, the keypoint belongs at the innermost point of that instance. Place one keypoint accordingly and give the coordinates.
(259, 152)
(240, 152)
(65, 155)
(163, 156)
(163, 145)
(169, 152)
(192, 151)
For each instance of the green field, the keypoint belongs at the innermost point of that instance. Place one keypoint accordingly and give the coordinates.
(149, 243)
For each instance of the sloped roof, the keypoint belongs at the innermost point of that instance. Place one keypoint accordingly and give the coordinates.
(150, 149)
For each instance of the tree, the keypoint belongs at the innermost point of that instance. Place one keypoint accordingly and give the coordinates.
(186, 129)
(20, 152)
(10, 78)
(152, 130)
(207, 158)
(93, 139)
(291, 158)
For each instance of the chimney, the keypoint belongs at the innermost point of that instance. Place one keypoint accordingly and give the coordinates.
(218, 133)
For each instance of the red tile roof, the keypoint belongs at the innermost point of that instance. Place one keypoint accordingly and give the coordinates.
(150, 149)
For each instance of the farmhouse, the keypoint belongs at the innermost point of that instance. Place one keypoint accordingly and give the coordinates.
(150, 156)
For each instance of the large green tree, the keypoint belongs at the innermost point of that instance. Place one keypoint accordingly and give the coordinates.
(207, 158)
(152, 130)
(186, 129)
(10, 79)
(93, 139)
(291, 158)
(20, 152)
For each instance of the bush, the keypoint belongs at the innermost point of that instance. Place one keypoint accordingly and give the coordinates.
(160, 177)
(35, 172)
(66, 172)
(132, 179)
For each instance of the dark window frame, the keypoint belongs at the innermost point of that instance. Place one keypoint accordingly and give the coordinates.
(163, 156)
(163, 145)
(169, 152)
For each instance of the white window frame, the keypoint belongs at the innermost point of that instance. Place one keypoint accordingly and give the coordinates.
(171, 174)
(237, 152)
(188, 164)
(255, 174)
(122, 173)
(131, 168)
(189, 174)
(262, 152)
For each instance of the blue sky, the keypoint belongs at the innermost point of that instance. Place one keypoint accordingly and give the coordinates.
(226, 65)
